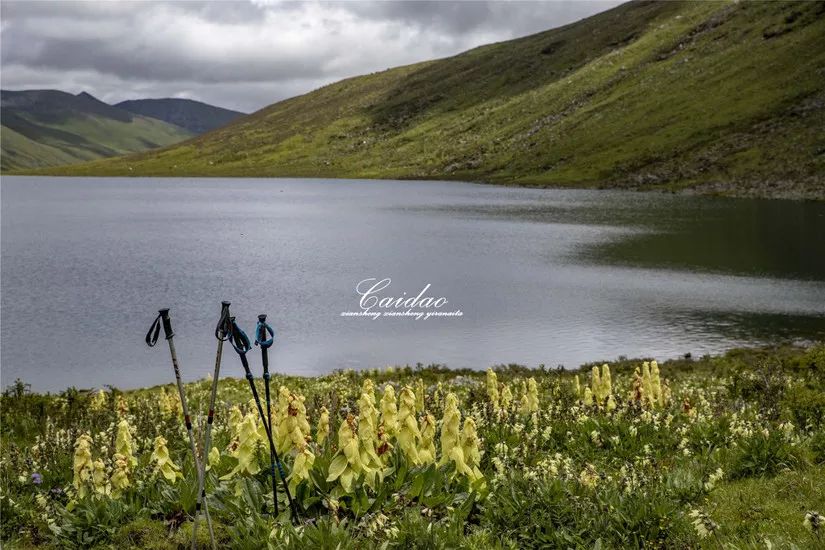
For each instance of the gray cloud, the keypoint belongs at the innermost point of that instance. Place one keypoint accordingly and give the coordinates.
(246, 55)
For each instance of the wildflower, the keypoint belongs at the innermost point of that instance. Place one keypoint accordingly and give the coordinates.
(368, 417)
(164, 406)
(596, 384)
(235, 419)
(469, 447)
(349, 463)
(577, 387)
(389, 411)
(37, 479)
(408, 433)
(214, 458)
(506, 397)
(245, 451)
(524, 405)
(123, 443)
(607, 382)
(419, 395)
(99, 480)
(588, 396)
(647, 385)
(589, 477)
(703, 524)
(426, 452)
(656, 385)
(450, 428)
(163, 463)
(610, 406)
(814, 521)
(532, 395)
(121, 405)
(120, 476)
(301, 467)
(713, 479)
(82, 465)
(98, 402)
(492, 388)
(293, 426)
(322, 432)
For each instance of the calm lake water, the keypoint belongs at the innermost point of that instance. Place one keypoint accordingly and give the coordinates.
(541, 276)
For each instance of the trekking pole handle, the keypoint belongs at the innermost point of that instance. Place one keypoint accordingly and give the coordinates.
(224, 327)
(238, 338)
(154, 331)
(261, 333)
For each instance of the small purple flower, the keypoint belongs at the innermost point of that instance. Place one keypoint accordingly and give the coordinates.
(37, 479)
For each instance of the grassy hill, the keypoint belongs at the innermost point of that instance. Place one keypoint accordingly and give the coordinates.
(723, 97)
(195, 116)
(50, 127)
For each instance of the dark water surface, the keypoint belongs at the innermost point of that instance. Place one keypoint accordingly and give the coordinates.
(541, 276)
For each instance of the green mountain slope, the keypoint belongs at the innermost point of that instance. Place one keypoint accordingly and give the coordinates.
(722, 96)
(195, 116)
(49, 127)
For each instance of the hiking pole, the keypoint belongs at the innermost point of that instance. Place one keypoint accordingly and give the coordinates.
(151, 340)
(222, 334)
(240, 341)
(261, 340)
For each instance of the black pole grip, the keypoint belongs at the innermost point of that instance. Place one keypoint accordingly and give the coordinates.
(167, 323)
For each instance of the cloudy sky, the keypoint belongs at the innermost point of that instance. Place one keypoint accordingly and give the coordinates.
(245, 54)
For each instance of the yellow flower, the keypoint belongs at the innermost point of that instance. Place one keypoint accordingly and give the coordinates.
(349, 463)
(82, 465)
(99, 480)
(235, 418)
(469, 446)
(163, 463)
(408, 433)
(293, 426)
(368, 417)
(607, 381)
(301, 467)
(450, 428)
(524, 405)
(121, 405)
(647, 385)
(657, 395)
(426, 452)
(120, 475)
(506, 397)
(596, 384)
(214, 458)
(419, 395)
(123, 443)
(389, 411)
(588, 396)
(577, 388)
(492, 388)
(98, 402)
(533, 394)
(164, 405)
(323, 427)
(246, 450)
(611, 403)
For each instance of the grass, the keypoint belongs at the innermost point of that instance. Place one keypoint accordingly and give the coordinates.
(729, 452)
(715, 96)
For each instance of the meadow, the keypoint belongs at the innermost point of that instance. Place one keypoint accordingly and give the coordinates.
(713, 452)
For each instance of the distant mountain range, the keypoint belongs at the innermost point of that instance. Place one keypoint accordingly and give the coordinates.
(48, 127)
(720, 97)
(194, 116)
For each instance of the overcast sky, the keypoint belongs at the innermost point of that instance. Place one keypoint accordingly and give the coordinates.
(246, 54)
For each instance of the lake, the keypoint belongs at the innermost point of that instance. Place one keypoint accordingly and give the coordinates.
(554, 277)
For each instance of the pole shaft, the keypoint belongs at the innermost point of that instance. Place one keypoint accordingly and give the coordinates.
(188, 421)
(207, 438)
